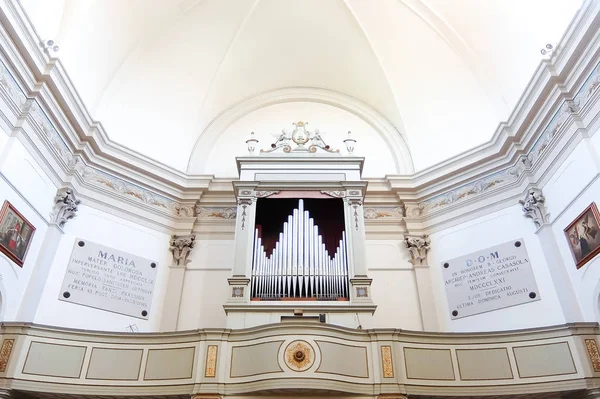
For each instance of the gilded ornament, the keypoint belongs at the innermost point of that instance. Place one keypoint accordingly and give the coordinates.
(211, 361)
(593, 353)
(5, 351)
(386, 360)
(299, 356)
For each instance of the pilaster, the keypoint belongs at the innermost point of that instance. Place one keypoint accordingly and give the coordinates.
(360, 284)
(244, 229)
(355, 232)
(533, 204)
(239, 283)
(418, 247)
(64, 209)
(181, 247)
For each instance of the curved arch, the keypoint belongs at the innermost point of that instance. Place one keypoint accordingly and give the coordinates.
(394, 138)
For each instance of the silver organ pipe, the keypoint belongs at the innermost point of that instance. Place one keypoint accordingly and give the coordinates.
(299, 265)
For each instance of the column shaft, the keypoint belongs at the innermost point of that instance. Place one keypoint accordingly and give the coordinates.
(426, 298)
(172, 302)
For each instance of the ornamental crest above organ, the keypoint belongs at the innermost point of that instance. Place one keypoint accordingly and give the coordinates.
(299, 140)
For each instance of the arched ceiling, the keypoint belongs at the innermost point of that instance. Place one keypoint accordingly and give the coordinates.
(443, 72)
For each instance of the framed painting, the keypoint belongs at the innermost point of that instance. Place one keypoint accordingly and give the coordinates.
(16, 234)
(583, 235)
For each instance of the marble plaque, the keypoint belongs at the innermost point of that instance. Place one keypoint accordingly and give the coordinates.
(490, 279)
(108, 279)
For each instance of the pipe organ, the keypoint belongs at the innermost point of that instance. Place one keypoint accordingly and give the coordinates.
(299, 266)
(300, 243)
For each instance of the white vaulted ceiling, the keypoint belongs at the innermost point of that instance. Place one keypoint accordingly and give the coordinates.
(156, 73)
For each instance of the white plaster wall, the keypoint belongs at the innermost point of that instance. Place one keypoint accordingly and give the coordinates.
(105, 229)
(28, 189)
(570, 178)
(333, 123)
(484, 232)
(595, 142)
(586, 280)
(205, 287)
(14, 279)
(3, 140)
(28, 178)
(572, 188)
(204, 294)
(393, 288)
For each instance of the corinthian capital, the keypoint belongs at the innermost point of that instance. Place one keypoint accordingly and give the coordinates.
(534, 208)
(65, 206)
(181, 246)
(418, 246)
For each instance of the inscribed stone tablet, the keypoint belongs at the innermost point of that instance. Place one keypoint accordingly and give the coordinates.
(108, 279)
(490, 279)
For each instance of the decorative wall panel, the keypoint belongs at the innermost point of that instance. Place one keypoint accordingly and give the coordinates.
(255, 359)
(483, 364)
(428, 364)
(544, 360)
(114, 364)
(180, 361)
(54, 360)
(346, 360)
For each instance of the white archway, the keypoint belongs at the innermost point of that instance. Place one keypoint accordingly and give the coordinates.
(393, 138)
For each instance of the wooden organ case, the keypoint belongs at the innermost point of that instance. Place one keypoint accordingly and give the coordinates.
(300, 235)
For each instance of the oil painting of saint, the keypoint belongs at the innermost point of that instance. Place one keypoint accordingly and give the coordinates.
(583, 235)
(16, 234)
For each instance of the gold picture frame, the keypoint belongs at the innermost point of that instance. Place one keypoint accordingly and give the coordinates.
(583, 235)
(16, 234)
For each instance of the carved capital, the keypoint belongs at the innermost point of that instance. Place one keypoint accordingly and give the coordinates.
(534, 208)
(418, 247)
(65, 206)
(181, 246)
(355, 201)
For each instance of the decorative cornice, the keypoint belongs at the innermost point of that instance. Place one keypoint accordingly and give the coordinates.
(335, 194)
(14, 91)
(264, 194)
(534, 208)
(418, 247)
(181, 246)
(372, 213)
(86, 153)
(216, 212)
(65, 206)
